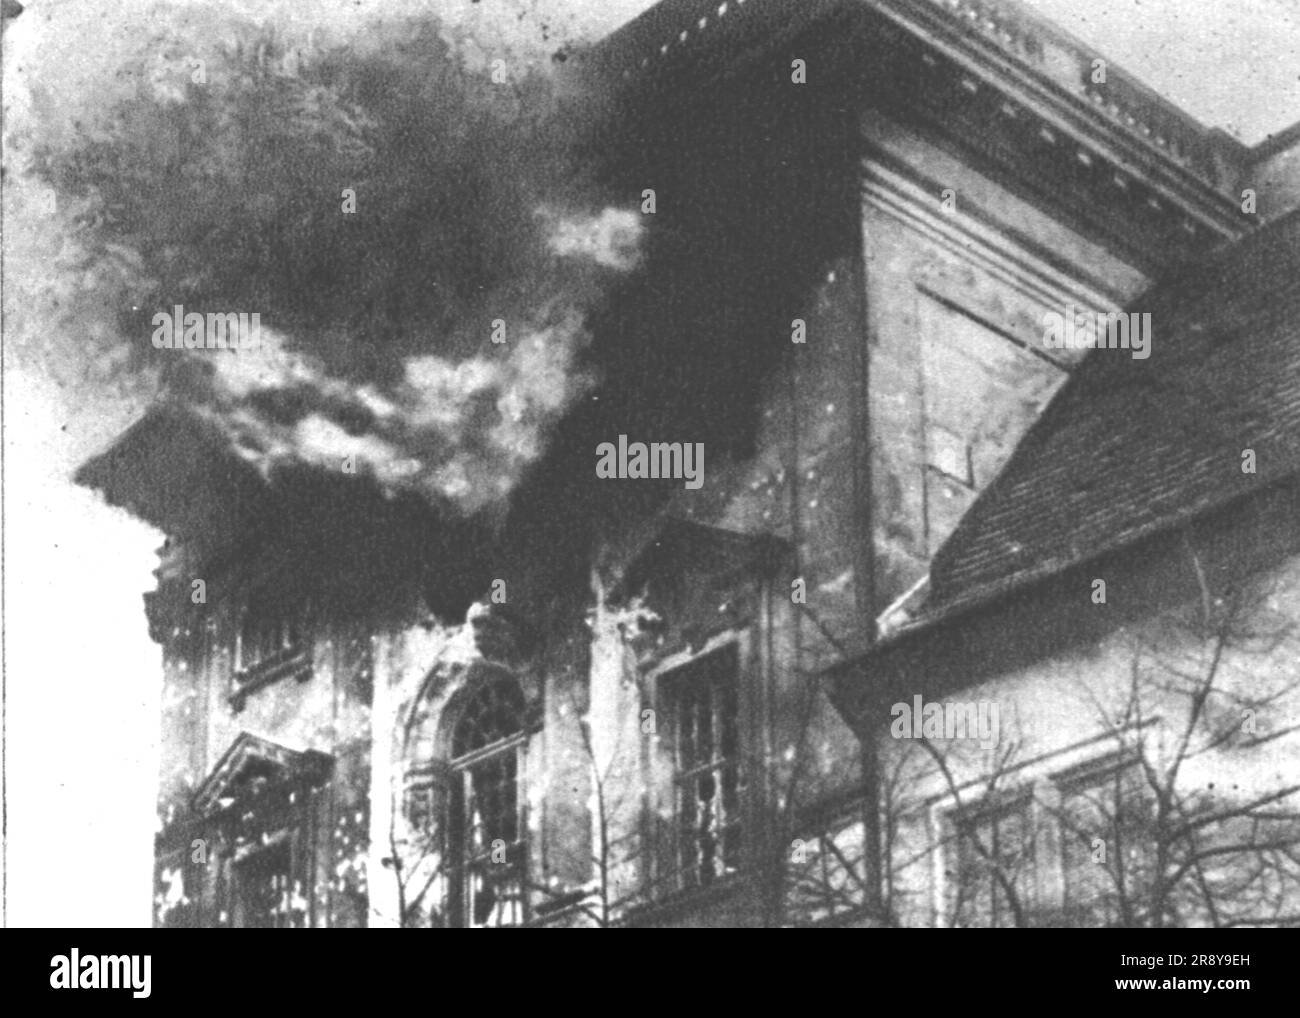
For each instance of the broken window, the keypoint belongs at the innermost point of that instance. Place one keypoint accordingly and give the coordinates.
(271, 645)
(486, 827)
(269, 629)
(700, 700)
(263, 889)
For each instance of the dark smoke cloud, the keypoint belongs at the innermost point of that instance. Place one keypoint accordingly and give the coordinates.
(215, 181)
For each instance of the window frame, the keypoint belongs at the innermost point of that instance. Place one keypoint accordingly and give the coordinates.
(1094, 774)
(1015, 801)
(276, 818)
(662, 856)
(1040, 783)
(292, 658)
(462, 861)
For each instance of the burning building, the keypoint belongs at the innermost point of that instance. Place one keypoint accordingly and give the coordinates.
(426, 666)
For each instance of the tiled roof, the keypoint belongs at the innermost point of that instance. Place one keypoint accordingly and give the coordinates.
(1131, 447)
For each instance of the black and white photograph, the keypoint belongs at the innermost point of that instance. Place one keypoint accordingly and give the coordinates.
(653, 464)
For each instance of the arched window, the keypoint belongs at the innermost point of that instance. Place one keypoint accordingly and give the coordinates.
(486, 823)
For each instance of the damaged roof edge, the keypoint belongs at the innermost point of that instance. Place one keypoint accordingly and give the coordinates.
(176, 472)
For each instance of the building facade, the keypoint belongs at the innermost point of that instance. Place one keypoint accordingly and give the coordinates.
(635, 703)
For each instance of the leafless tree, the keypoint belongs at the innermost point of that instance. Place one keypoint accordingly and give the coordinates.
(1182, 824)
(1199, 832)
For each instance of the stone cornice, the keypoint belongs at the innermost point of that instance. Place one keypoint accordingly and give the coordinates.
(1156, 184)
(991, 74)
(1052, 69)
(688, 42)
(986, 245)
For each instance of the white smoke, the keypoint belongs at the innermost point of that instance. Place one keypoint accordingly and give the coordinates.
(460, 430)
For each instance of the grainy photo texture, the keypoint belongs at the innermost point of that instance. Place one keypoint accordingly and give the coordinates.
(575, 463)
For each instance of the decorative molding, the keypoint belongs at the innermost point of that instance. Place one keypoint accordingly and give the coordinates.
(290, 663)
(1004, 81)
(988, 248)
(688, 40)
(1054, 145)
(251, 762)
(1036, 43)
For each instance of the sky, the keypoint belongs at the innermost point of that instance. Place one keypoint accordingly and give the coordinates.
(82, 677)
(1233, 64)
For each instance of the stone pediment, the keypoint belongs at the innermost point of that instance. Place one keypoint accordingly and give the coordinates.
(252, 763)
(176, 471)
